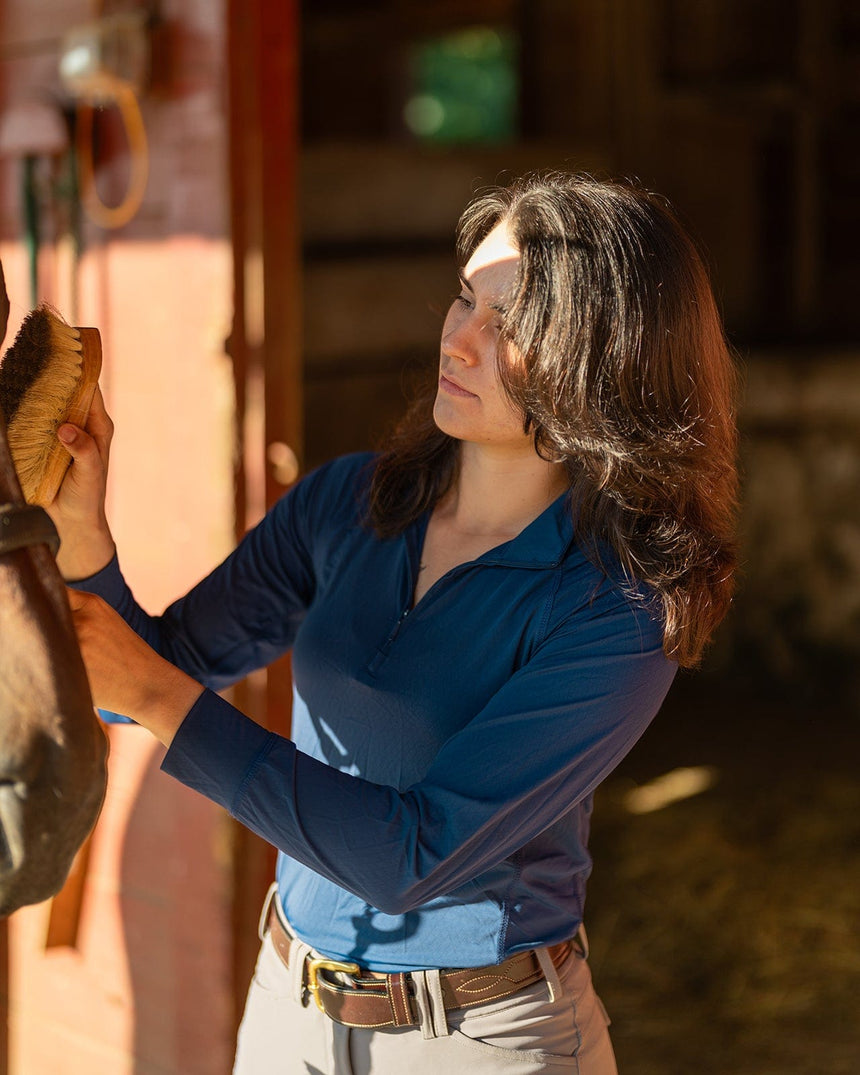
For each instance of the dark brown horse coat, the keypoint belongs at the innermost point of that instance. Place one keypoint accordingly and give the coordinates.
(52, 747)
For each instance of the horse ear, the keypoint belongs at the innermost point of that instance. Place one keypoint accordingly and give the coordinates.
(4, 305)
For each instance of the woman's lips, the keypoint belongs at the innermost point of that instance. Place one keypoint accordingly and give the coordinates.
(454, 389)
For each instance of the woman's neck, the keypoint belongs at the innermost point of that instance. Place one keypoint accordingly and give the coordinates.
(500, 493)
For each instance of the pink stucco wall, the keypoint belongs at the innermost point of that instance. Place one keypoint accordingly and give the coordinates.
(148, 986)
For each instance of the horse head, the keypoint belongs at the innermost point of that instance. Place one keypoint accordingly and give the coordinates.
(52, 748)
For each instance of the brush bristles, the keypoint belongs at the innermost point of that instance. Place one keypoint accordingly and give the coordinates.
(39, 376)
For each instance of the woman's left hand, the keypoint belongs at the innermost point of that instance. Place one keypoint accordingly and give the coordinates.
(126, 675)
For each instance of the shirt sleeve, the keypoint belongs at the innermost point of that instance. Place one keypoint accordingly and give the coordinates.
(244, 614)
(540, 745)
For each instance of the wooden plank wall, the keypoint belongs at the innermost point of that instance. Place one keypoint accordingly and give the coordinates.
(742, 113)
(745, 113)
(379, 209)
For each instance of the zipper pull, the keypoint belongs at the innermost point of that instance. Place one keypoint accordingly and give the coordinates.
(397, 626)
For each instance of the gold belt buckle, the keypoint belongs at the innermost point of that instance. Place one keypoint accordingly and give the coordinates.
(316, 965)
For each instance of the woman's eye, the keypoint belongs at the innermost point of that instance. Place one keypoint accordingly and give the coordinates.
(464, 300)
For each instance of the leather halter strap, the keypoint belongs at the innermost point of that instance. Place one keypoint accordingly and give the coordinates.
(26, 524)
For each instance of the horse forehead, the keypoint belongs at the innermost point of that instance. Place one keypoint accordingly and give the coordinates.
(26, 625)
(28, 667)
(25, 584)
(28, 702)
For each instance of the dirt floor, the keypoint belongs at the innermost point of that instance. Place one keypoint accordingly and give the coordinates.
(724, 925)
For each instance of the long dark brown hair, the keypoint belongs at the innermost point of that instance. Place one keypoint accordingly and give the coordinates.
(626, 377)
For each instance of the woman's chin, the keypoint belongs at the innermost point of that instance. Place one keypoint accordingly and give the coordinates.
(447, 420)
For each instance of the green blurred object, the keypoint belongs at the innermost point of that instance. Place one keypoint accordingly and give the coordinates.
(465, 87)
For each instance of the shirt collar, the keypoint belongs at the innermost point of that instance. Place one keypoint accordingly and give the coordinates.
(543, 543)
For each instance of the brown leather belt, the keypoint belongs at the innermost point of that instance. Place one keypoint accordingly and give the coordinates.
(387, 1000)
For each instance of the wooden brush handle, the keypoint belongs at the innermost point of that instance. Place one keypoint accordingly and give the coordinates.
(77, 413)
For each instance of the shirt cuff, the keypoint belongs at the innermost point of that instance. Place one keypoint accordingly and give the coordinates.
(114, 718)
(216, 750)
(107, 583)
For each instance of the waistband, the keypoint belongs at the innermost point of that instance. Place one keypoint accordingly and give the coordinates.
(361, 998)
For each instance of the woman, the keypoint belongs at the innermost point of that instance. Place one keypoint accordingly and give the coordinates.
(483, 620)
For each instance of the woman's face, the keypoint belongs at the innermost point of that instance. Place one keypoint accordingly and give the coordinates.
(470, 402)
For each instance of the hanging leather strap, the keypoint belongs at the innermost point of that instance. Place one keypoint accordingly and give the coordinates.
(26, 524)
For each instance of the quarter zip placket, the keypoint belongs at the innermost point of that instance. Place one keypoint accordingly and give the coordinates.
(384, 651)
(411, 542)
(413, 551)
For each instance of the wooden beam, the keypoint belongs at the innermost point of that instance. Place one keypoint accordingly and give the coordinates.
(264, 346)
(279, 128)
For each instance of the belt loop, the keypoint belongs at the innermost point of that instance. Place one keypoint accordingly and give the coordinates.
(553, 982)
(264, 914)
(299, 951)
(582, 937)
(430, 1004)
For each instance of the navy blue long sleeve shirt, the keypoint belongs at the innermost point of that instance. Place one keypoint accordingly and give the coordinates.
(433, 806)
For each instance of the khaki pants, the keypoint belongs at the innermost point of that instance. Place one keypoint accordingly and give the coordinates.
(523, 1034)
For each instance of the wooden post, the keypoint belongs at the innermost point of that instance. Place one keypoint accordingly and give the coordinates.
(263, 43)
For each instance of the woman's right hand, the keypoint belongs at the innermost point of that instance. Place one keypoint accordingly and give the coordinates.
(78, 510)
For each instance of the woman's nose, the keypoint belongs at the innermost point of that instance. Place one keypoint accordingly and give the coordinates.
(459, 341)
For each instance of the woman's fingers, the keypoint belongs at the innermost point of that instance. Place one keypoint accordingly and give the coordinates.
(90, 447)
(88, 470)
(78, 510)
(126, 675)
(100, 426)
(118, 662)
(86, 480)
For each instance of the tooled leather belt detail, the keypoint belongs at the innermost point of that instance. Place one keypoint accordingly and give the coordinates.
(26, 524)
(388, 1000)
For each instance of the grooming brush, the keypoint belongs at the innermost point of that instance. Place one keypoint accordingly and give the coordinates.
(47, 377)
